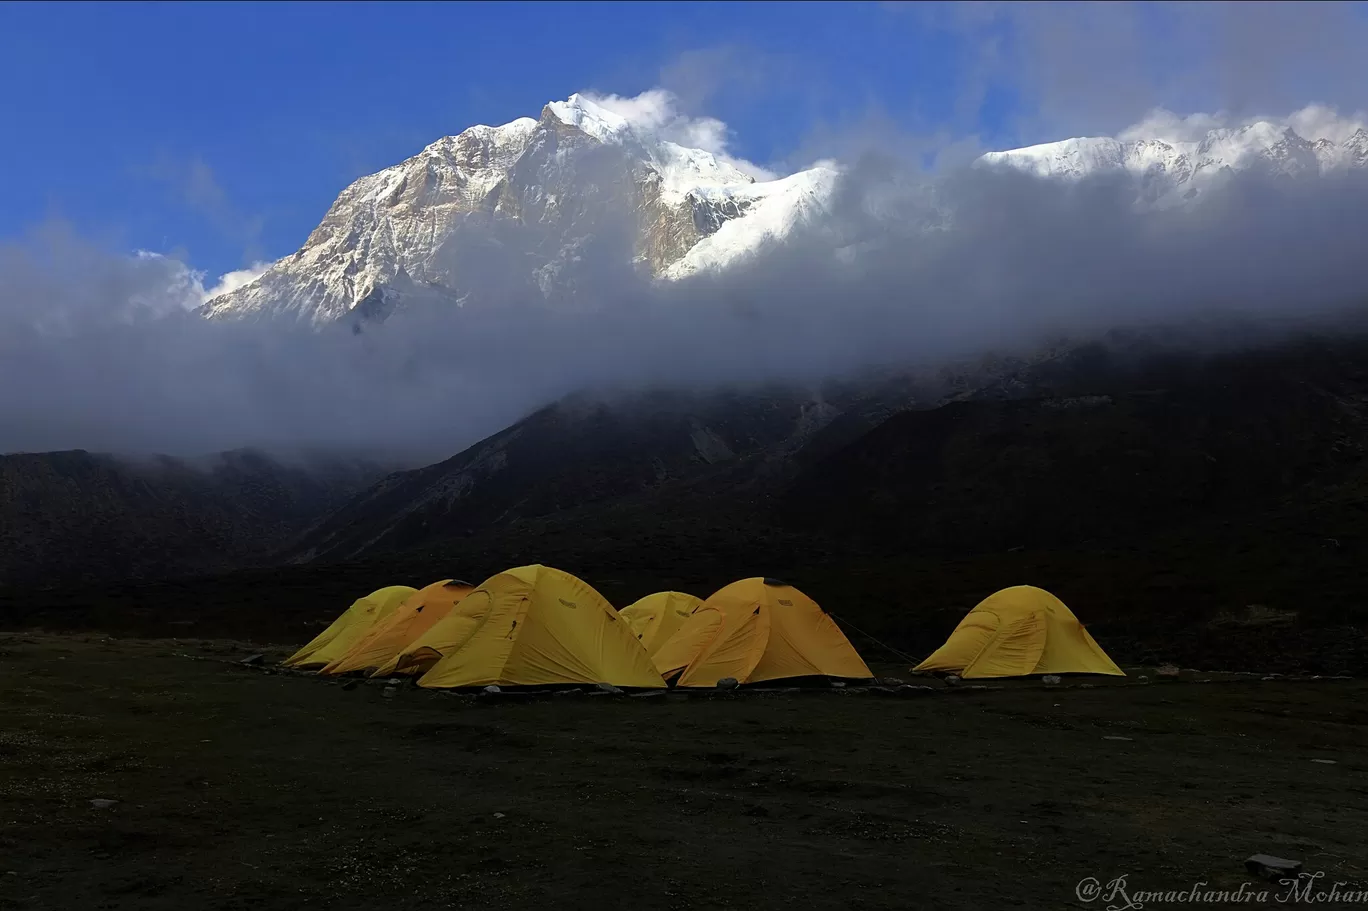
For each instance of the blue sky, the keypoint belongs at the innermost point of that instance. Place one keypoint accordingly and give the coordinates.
(222, 131)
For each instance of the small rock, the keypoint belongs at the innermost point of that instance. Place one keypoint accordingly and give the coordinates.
(838, 684)
(1142, 679)
(492, 689)
(1275, 868)
(1086, 686)
(1325, 761)
(498, 816)
(1127, 739)
(890, 681)
(102, 803)
(253, 659)
(952, 680)
(1050, 679)
(608, 688)
(1168, 670)
(388, 692)
(395, 681)
(1269, 677)
(728, 683)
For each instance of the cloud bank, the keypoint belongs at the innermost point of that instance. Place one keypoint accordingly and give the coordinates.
(99, 352)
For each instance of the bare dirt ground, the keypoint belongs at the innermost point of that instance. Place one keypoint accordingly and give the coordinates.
(242, 789)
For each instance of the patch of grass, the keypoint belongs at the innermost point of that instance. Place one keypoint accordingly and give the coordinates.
(276, 791)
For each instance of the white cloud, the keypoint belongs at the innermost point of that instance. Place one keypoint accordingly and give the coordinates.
(1169, 127)
(656, 112)
(183, 287)
(239, 278)
(648, 111)
(1312, 122)
(1321, 122)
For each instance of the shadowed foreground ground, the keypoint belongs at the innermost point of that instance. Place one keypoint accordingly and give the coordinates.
(242, 789)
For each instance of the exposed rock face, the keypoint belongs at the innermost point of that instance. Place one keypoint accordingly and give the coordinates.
(534, 207)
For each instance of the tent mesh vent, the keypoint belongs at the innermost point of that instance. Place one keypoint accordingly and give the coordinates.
(770, 580)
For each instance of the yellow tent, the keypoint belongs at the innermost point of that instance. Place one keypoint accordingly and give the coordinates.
(348, 628)
(655, 618)
(442, 636)
(754, 630)
(1017, 632)
(535, 625)
(409, 620)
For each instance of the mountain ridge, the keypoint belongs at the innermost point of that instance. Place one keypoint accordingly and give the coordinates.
(468, 211)
(532, 207)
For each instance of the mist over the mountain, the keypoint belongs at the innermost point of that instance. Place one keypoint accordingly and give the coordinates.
(97, 352)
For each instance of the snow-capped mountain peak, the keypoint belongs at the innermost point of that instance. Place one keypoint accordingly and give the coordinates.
(580, 112)
(1181, 166)
(543, 206)
(517, 208)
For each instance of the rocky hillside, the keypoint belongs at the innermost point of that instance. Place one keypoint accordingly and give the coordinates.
(1099, 443)
(70, 516)
(575, 457)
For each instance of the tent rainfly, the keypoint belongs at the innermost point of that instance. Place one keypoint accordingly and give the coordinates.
(754, 630)
(655, 618)
(410, 620)
(1018, 632)
(533, 626)
(350, 627)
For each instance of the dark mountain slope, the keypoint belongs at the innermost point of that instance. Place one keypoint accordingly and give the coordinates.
(1110, 456)
(76, 515)
(576, 456)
